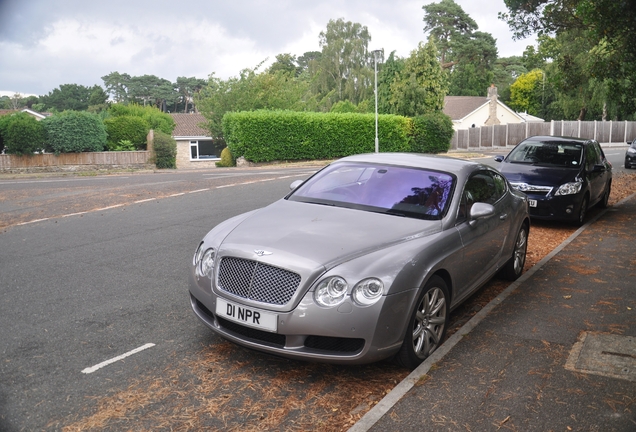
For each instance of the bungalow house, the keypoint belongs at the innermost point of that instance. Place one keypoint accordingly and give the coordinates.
(195, 146)
(476, 111)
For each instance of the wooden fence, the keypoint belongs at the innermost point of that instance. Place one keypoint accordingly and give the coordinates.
(511, 134)
(124, 159)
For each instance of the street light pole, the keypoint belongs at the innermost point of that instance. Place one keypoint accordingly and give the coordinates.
(375, 66)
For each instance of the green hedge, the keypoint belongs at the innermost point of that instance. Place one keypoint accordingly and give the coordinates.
(126, 128)
(262, 136)
(74, 132)
(21, 134)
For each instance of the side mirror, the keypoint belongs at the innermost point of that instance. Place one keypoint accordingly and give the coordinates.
(598, 168)
(481, 210)
(499, 158)
(295, 184)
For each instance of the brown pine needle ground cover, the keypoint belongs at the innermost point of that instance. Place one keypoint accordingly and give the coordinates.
(258, 392)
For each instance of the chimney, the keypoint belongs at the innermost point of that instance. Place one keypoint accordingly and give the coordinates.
(492, 115)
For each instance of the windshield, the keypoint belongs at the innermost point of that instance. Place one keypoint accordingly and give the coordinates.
(551, 153)
(402, 191)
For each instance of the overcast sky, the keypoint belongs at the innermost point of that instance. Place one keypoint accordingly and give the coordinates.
(46, 43)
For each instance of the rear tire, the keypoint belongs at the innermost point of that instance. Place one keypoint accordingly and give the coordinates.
(514, 267)
(427, 325)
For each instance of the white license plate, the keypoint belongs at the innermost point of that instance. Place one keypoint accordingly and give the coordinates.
(248, 316)
(532, 203)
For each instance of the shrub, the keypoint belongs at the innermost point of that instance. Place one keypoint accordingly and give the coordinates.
(124, 145)
(153, 117)
(432, 133)
(126, 128)
(226, 159)
(165, 150)
(74, 132)
(21, 134)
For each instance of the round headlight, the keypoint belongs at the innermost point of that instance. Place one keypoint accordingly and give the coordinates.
(197, 255)
(368, 291)
(206, 265)
(331, 291)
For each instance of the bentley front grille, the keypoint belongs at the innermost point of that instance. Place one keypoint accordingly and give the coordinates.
(257, 281)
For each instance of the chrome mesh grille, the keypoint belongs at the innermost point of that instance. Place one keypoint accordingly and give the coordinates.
(257, 281)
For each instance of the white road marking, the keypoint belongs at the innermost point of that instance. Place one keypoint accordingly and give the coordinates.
(116, 359)
(168, 196)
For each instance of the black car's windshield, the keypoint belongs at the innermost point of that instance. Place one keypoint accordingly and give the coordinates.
(548, 153)
(400, 191)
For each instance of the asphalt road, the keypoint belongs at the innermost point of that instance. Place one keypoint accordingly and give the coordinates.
(78, 290)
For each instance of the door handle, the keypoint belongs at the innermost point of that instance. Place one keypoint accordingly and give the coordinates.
(503, 216)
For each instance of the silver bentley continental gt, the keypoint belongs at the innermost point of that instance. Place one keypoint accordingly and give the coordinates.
(363, 261)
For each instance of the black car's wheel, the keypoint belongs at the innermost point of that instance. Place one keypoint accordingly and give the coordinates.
(582, 211)
(605, 199)
(427, 324)
(514, 267)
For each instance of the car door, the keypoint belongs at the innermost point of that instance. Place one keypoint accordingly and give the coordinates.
(483, 239)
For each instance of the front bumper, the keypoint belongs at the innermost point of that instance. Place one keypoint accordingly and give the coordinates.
(548, 207)
(347, 334)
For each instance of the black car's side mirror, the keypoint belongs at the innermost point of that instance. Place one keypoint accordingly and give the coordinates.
(499, 158)
(598, 168)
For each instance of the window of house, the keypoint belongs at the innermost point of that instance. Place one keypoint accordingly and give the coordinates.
(205, 150)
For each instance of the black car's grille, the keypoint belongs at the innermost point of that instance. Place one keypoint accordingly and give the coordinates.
(257, 281)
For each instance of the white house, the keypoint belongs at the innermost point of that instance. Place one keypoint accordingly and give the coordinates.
(476, 111)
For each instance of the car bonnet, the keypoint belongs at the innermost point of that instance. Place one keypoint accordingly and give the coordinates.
(537, 175)
(312, 236)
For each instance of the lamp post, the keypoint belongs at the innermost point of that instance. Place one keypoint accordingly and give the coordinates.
(375, 67)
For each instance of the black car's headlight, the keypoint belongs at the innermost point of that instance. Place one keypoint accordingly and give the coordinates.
(367, 291)
(204, 261)
(331, 291)
(569, 188)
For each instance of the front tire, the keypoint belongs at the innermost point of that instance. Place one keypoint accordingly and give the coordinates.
(514, 267)
(582, 212)
(427, 325)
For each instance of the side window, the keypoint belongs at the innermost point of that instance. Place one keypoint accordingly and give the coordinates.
(592, 157)
(500, 185)
(484, 186)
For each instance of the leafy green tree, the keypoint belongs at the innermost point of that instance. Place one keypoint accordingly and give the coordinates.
(285, 63)
(249, 92)
(345, 62)
(308, 61)
(388, 73)
(606, 25)
(21, 134)
(422, 84)
(188, 88)
(445, 21)
(74, 132)
(523, 94)
(117, 85)
(475, 57)
(344, 107)
(70, 97)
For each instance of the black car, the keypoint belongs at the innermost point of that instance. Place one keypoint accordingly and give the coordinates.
(630, 155)
(562, 176)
